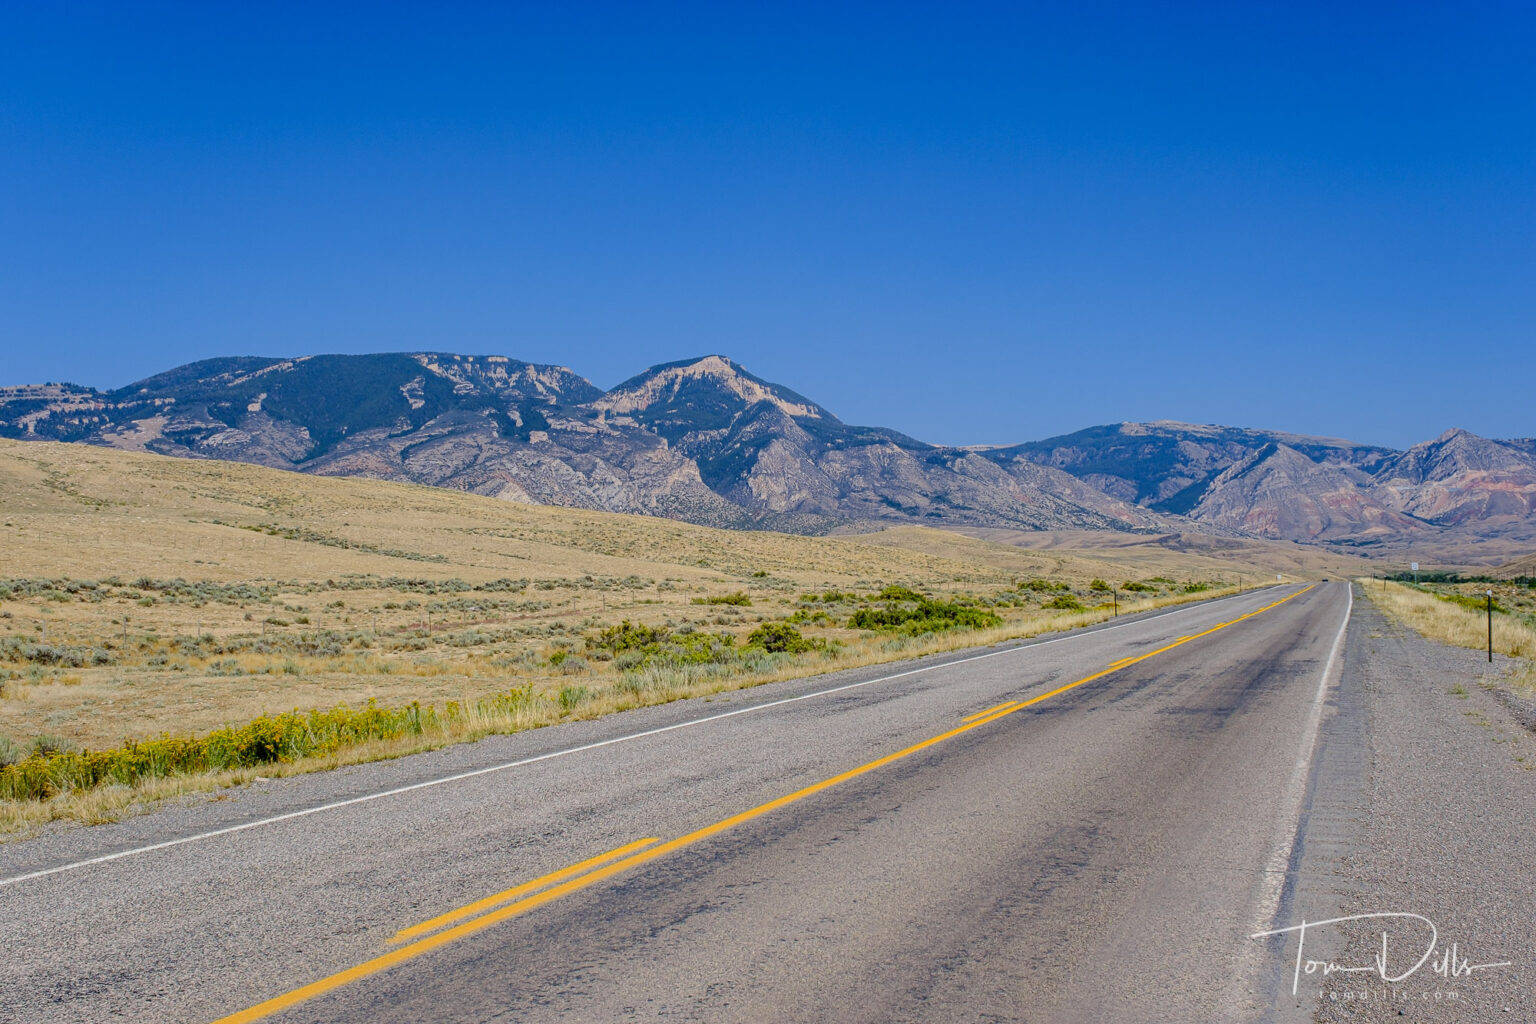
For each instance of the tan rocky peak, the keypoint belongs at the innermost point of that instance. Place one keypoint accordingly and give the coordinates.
(718, 370)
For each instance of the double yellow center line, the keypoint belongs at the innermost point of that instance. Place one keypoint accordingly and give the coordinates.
(482, 914)
(1007, 705)
(479, 907)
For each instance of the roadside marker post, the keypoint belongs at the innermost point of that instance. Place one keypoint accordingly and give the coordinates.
(1490, 626)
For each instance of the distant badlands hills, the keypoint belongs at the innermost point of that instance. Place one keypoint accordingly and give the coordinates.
(705, 441)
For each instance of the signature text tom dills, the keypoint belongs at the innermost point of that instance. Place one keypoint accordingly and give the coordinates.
(1387, 966)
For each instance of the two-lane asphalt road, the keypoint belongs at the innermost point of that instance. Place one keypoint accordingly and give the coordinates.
(1082, 829)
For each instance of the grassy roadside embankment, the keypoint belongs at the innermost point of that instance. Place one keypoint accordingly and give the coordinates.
(645, 666)
(1456, 615)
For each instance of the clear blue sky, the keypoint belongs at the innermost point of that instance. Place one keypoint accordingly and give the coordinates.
(974, 223)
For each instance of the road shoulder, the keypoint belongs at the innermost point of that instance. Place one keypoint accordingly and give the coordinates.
(1422, 800)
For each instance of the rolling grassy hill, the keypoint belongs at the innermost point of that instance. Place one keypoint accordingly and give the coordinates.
(142, 595)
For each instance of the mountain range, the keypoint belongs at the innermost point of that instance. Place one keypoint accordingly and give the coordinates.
(706, 441)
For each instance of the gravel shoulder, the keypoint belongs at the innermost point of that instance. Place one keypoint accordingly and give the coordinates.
(1423, 802)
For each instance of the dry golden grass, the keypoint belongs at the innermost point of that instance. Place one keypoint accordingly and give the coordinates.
(354, 558)
(1439, 619)
(19, 819)
(75, 510)
(71, 511)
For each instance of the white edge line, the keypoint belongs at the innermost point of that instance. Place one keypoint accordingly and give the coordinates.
(1295, 790)
(338, 804)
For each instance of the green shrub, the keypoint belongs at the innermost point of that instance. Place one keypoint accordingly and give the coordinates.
(699, 648)
(1478, 603)
(636, 646)
(830, 597)
(1065, 602)
(898, 593)
(922, 616)
(780, 638)
(740, 599)
(807, 616)
(1099, 586)
(627, 636)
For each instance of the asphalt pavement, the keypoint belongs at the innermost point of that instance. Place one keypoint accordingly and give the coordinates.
(1085, 828)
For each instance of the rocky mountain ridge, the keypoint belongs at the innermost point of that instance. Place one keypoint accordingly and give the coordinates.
(706, 441)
